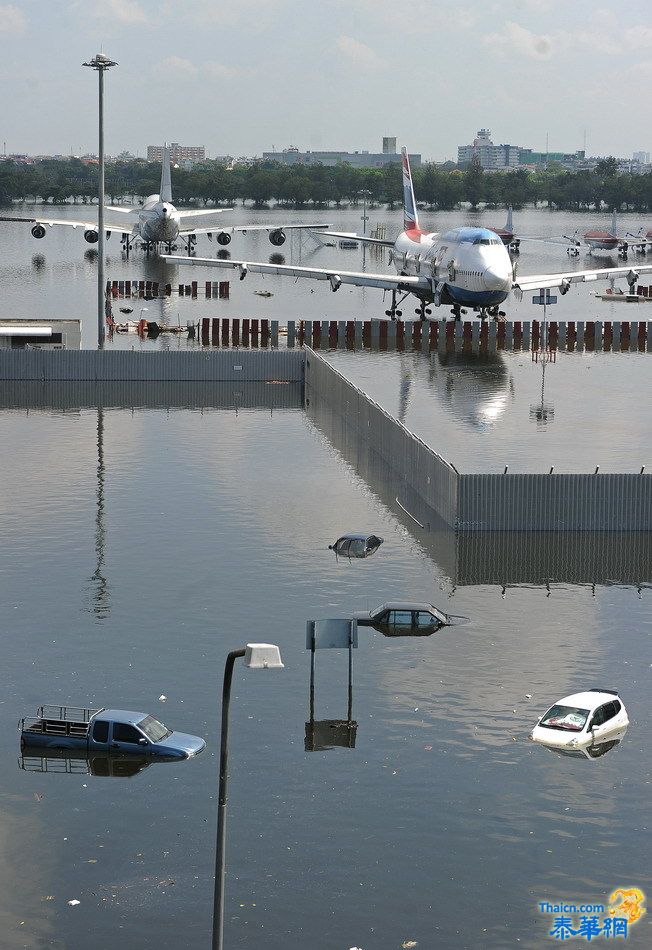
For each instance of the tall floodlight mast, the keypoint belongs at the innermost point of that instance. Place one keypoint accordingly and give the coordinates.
(101, 63)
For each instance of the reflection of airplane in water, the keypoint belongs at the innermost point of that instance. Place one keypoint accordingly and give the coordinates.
(462, 267)
(159, 222)
(474, 387)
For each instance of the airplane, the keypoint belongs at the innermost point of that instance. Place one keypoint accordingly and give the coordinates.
(507, 235)
(159, 222)
(463, 267)
(598, 240)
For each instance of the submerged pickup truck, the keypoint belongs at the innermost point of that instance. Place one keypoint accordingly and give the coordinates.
(106, 730)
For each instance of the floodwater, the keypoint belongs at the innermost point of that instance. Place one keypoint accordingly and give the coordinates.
(141, 545)
(56, 276)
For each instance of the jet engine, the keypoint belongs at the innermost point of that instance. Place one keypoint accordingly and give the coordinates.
(91, 236)
(223, 238)
(277, 238)
(38, 231)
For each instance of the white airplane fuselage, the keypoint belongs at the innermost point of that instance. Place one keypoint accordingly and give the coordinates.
(467, 266)
(158, 221)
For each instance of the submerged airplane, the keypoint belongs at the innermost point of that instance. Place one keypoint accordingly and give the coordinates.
(600, 240)
(159, 222)
(463, 267)
(507, 235)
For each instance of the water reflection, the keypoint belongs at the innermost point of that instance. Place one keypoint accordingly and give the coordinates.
(503, 558)
(474, 387)
(322, 735)
(594, 751)
(81, 762)
(543, 412)
(100, 600)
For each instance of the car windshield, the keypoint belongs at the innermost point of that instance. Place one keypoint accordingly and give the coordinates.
(568, 718)
(154, 729)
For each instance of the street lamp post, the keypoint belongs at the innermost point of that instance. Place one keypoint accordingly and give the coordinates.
(257, 656)
(100, 63)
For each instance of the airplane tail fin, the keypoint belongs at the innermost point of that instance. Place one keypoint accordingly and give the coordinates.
(508, 224)
(614, 222)
(410, 216)
(165, 193)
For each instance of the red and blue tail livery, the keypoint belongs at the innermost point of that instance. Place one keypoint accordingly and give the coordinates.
(410, 217)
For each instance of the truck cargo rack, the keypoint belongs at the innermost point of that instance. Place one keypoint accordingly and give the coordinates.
(60, 720)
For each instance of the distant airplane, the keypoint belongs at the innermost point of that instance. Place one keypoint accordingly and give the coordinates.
(507, 235)
(598, 240)
(463, 267)
(159, 222)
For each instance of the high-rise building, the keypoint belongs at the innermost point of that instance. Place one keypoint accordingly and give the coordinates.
(178, 153)
(642, 157)
(489, 155)
(389, 145)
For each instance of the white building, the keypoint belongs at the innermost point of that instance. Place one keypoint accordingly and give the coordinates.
(489, 155)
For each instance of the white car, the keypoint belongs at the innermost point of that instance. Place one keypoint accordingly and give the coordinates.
(581, 720)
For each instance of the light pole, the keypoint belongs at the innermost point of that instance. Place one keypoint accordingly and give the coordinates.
(257, 656)
(101, 63)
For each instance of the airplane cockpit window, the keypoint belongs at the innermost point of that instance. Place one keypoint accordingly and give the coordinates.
(487, 241)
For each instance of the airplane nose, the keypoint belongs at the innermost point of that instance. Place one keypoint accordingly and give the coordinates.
(493, 279)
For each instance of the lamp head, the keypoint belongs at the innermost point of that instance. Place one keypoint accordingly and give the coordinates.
(100, 61)
(263, 656)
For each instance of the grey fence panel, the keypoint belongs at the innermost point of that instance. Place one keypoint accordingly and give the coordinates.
(420, 468)
(152, 394)
(152, 365)
(599, 502)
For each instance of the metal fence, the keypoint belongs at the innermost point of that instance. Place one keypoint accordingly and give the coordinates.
(421, 469)
(473, 503)
(152, 365)
(124, 394)
(555, 502)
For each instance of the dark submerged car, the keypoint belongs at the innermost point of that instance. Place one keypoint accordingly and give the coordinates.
(356, 545)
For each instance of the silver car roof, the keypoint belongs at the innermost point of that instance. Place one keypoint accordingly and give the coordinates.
(410, 605)
(122, 715)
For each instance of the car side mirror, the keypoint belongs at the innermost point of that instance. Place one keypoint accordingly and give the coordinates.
(143, 741)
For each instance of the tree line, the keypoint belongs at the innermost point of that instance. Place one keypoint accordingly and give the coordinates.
(320, 186)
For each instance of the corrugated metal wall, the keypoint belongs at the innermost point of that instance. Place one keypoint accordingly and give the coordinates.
(146, 365)
(484, 502)
(420, 468)
(555, 502)
(82, 394)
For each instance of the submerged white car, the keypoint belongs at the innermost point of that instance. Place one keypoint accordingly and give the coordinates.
(581, 720)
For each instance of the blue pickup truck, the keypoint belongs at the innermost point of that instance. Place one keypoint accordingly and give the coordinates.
(106, 730)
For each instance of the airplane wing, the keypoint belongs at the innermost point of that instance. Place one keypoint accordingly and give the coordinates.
(352, 236)
(201, 212)
(335, 276)
(51, 222)
(564, 280)
(121, 209)
(242, 229)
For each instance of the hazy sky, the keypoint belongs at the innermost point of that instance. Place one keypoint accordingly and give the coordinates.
(243, 76)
